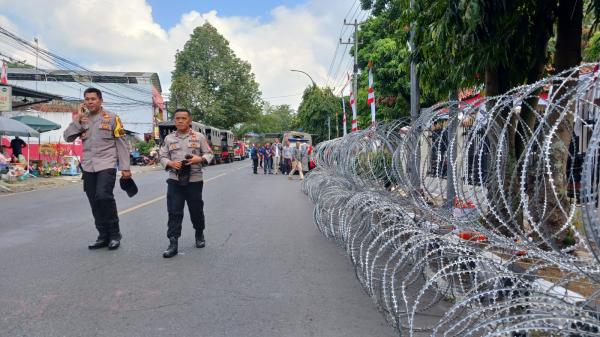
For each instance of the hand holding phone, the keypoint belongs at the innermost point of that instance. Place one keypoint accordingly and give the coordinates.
(82, 114)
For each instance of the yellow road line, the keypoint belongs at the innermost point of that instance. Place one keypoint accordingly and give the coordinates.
(149, 202)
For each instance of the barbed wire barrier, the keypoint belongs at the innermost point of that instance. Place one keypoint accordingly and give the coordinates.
(479, 218)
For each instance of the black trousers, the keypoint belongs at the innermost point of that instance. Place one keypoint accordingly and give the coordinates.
(177, 196)
(98, 187)
(287, 166)
(255, 164)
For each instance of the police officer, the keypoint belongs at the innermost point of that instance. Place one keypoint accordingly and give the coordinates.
(183, 153)
(104, 148)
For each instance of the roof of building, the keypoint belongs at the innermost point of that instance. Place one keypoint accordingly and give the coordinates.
(59, 106)
(59, 75)
(25, 92)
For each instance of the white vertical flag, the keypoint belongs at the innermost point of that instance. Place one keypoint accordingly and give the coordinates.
(371, 95)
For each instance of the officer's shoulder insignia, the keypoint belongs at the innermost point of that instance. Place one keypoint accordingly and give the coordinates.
(119, 130)
(196, 135)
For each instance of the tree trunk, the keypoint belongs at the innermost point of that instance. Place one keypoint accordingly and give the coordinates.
(496, 83)
(567, 55)
(542, 31)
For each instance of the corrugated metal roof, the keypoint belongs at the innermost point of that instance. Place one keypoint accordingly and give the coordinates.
(84, 76)
(132, 102)
(82, 73)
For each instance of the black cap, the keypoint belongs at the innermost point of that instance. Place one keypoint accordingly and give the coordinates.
(129, 186)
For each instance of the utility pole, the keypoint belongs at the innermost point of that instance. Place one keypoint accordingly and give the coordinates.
(37, 48)
(329, 127)
(355, 43)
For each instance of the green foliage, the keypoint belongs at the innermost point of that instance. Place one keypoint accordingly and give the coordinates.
(456, 41)
(274, 118)
(318, 104)
(592, 51)
(219, 88)
(145, 147)
(384, 43)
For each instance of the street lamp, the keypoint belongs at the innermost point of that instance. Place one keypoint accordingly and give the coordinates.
(305, 73)
(315, 85)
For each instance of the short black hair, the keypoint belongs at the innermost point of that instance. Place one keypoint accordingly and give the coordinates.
(93, 90)
(183, 110)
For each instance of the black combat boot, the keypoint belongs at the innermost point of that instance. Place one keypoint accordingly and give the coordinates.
(100, 243)
(200, 243)
(114, 244)
(172, 250)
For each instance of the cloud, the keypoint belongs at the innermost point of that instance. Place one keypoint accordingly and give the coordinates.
(122, 36)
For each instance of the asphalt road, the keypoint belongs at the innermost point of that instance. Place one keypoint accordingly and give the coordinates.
(266, 270)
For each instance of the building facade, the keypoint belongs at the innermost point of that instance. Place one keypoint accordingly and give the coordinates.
(134, 96)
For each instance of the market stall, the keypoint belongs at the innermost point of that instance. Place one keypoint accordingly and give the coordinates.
(10, 127)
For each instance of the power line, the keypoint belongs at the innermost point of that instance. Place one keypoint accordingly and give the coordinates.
(354, 9)
(65, 64)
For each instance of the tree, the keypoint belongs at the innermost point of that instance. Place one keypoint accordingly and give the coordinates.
(508, 42)
(383, 39)
(273, 119)
(318, 106)
(219, 88)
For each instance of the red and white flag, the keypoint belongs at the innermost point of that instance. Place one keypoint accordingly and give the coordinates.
(4, 74)
(353, 105)
(344, 113)
(371, 95)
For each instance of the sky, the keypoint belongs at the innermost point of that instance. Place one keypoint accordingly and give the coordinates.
(144, 35)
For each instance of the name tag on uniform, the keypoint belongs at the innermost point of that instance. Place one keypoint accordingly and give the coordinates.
(194, 145)
(104, 126)
(174, 146)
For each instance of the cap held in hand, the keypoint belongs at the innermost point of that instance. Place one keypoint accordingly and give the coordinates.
(129, 186)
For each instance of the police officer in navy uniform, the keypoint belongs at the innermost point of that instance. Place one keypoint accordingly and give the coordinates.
(104, 149)
(183, 153)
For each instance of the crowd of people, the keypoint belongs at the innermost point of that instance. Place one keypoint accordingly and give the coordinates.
(277, 157)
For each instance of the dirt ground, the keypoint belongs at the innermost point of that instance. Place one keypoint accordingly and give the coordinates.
(34, 184)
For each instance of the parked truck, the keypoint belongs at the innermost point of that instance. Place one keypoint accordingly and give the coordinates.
(227, 153)
(239, 150)
(213, 135)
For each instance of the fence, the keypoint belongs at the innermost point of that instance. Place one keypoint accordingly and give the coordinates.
(477, 219)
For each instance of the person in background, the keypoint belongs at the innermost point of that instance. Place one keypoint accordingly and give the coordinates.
(17, 145)
(287, 157)
(268, 159)
(154, 156)
(297, 156)
(261, 155)
(254, 156)
(277, 149)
